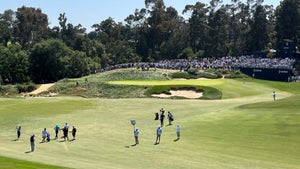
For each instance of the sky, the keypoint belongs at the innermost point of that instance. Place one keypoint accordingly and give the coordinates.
(90, 12)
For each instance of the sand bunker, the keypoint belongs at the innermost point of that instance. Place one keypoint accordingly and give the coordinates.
(42, 88)
(182, 93)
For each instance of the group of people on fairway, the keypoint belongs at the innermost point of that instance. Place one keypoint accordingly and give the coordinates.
(46, 134)
(160, 117)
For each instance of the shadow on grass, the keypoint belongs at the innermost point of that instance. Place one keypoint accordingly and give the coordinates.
(176, 139)
(133, 145)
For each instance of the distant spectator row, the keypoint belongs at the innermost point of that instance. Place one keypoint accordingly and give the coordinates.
(227, 62)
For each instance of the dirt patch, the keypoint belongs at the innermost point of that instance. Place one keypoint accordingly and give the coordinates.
(190, 94)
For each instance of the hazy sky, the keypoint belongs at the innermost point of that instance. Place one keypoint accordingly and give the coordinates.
(89, 12)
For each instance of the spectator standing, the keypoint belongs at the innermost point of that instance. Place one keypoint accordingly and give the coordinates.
(65, 131)
(162, 117)
(170, 117)
(32, 145)
(74, 130)
(158, 134)
(18, 131)
(56, 129)
(136, 136)
(178, 131)
(274, 95)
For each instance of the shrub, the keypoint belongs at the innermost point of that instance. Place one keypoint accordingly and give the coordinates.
(23, 88)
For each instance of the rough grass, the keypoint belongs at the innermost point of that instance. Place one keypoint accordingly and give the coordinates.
(10, 163)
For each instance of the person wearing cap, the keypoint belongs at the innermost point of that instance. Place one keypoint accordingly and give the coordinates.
(158, 134)
(32, 145)
(136, 136)
(56, 129)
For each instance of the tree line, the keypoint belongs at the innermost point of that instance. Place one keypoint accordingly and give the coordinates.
(32, 51)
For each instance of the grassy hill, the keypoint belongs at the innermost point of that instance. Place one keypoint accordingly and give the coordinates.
(244, 129)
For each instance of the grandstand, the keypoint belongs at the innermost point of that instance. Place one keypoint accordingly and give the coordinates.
(277, 69)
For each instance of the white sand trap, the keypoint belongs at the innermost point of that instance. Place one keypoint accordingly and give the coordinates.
(182, 93)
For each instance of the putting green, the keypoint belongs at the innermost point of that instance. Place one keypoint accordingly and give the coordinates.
(247, 129)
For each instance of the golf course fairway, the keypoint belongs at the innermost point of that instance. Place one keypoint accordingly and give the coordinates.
(245, 129)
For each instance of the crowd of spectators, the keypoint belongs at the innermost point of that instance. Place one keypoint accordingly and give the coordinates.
(227, 62)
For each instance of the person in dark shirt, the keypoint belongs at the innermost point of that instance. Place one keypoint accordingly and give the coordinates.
(18, 132)
(170, 117)
(162, 117)
(32, 145)
(65, 131)
(74, 130)
(156, 116)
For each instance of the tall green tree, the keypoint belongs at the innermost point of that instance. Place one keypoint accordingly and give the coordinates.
(137, 27)
(156, 30)
(258, 35)
(198, 25)
(7, 23)
(219, 33)
(32, 26)
(48, 60)
(288, 25)
(14, 64)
